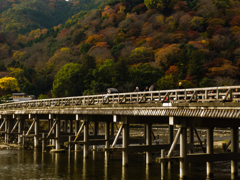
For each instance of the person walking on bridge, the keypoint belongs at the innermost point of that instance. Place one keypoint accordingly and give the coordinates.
(137, 89)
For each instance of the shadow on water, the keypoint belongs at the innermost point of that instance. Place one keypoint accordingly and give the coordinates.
(33, 164)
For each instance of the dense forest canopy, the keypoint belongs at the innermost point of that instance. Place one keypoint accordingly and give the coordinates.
(67, 48)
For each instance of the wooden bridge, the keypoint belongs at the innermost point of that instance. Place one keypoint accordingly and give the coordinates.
(70, 119)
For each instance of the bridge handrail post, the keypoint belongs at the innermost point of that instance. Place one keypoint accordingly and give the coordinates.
(217, 94)
(230, 94)
(206, 94)
(176, 95)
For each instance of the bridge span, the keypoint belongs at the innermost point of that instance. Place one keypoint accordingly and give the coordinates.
(71, 119)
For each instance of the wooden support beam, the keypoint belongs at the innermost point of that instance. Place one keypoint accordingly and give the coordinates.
(14, 127)
(79, 131)
(117, 136)
(199, 139)
(4, 120)
(30, 128)
(51, 129)
(174, 142)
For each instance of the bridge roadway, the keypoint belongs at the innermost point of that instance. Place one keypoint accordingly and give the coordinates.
(71, 119)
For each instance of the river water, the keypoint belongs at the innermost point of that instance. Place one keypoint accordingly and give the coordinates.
(33, 164)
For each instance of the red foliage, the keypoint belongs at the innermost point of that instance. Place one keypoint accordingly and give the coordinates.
(235, 21)
(140, 8)
(222, 31)
(217, 62)
(212, 29)
(180, 35)
(117, 6)
(133, 32)
(192, 13)
(181, 6)
(193, 35)
(63, 33)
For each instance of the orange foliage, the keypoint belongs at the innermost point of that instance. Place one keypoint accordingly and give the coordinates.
(94, 39)
(221, 67)
(102, 44)
(172, 70)
(63, 33)
(107, 11)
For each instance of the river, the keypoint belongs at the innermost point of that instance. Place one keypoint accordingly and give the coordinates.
(33, 164)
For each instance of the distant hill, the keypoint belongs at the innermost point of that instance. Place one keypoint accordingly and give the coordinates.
(26, 15)
(121, 44)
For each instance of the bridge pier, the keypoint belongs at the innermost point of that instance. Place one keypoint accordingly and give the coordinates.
(85, 138)
(57, 140)
(125, 142)
(36, 129)
(183, 153)
(148, 143)
(6, 130)
(209, 165)
(234, 149)
(95, 130)
(70, 126)
(20, 130)
(191, 139)
(76, 131)
(112, 128)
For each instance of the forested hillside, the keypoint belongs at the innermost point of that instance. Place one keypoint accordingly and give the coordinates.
(120, 44)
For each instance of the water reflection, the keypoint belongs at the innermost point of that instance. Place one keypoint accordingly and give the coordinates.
(29, 164)
(124, 172)
(147, 172)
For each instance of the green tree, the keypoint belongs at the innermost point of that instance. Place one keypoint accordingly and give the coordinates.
(183, 59)
(195, 66)
(144, 75)
(42, 96)
(103, 74)
(84, 48)
(116, 50)
(88, 65)
(30, 88)
(120, 73)
(167, 82)
(140, 55)
(206, 82)
(151, 4)
(68, 81)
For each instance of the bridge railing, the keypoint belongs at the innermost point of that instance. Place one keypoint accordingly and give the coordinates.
(210, 94)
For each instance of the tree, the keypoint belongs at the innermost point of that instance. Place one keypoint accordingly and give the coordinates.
(140, 55)
(195, 66)
(167, 56)
(68, 81)
(103, 74)
(206, 82)
(144, 75)
(84, 48)
(42, 96)
(115, 51)
(167, 82)
(30, 88)
(9, 83)
(165, 5)
(120, 73)
(78, 36)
